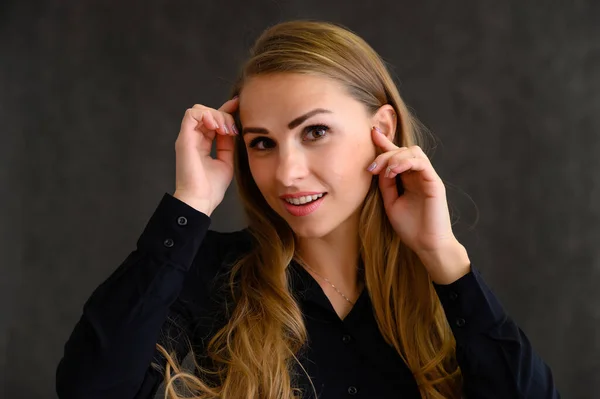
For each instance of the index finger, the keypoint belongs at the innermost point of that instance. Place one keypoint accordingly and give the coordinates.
(231, 105)
(382, 141)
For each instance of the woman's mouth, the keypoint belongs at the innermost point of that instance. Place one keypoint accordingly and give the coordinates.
(303, 205)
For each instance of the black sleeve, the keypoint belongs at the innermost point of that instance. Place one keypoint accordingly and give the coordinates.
(109, 352)
(495, 357)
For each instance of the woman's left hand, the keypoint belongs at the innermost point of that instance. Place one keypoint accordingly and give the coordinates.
(420, 216)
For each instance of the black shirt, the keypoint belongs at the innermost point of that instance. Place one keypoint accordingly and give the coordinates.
(167, 290)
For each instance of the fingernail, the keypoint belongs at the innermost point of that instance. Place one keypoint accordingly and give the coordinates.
(378, 129)
(372, 167)
(234, 97)
(235, 131)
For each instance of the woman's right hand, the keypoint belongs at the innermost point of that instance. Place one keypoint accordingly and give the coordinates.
(201, 180)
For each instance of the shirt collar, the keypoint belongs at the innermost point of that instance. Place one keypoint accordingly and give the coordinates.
(303, 285)
(307, 289)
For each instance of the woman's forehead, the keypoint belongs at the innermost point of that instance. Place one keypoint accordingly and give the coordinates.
(285, 96)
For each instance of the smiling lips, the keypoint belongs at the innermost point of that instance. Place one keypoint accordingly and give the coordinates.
(302, 204)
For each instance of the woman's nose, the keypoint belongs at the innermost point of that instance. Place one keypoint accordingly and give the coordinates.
(291, 167)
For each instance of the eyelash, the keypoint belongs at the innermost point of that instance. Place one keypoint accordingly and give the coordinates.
(307, 130)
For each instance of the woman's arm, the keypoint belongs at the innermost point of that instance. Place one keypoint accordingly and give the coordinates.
(495, 357)
(109, 352)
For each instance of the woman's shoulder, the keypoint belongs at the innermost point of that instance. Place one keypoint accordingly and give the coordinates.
(227, 244)
(219, 251)
(203, 284)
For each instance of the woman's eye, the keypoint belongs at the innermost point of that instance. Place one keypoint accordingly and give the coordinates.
(316, 132)
(261, 143)
(311, 133)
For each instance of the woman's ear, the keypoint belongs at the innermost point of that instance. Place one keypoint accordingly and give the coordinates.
(385, 119)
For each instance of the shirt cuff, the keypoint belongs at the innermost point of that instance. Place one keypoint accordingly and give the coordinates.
(470, 306)
(174, 232)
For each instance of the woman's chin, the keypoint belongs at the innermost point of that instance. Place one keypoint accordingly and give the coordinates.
(312, 229)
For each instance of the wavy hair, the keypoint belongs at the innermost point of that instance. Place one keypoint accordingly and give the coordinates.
(252, 356)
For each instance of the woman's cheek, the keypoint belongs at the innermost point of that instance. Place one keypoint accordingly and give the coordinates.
(259, 172)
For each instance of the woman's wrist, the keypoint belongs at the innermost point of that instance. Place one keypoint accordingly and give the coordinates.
(447, 265)
(198, 204)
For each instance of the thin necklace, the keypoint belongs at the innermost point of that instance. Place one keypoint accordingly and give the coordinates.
(334, 287)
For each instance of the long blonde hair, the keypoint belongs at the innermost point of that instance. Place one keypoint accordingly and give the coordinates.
(252, 356)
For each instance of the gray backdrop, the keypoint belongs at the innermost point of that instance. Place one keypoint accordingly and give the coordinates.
(92, 94)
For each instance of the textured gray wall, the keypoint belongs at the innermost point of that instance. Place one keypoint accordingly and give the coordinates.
(92, 94)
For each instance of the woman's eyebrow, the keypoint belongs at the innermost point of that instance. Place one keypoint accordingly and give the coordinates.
(294, 123)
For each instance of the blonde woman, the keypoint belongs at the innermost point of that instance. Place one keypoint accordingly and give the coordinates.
(348, 281)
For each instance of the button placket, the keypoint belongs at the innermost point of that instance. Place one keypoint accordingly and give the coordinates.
(181, 221)
(459, 321)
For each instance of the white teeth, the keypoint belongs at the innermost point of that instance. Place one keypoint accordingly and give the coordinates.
(304, 199)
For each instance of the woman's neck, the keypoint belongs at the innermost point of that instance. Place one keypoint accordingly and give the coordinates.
(334, 256)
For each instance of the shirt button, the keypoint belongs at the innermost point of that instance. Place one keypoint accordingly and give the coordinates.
(352, 390)
(460, 322)
(453, 295)
(181, 220)
(169, 243)
(346, 339)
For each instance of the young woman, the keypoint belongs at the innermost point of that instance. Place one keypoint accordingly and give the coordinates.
(348, 280)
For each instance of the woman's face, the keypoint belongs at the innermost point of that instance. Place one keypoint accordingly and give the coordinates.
(309, 143)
